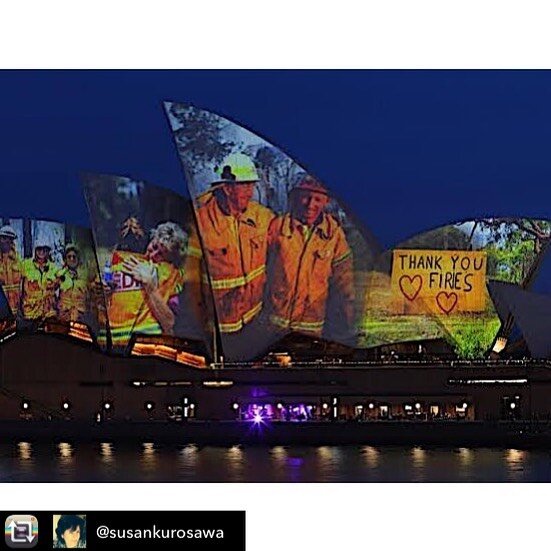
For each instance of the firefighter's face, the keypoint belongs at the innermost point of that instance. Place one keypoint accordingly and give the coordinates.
(308, 205)
(42, 253)
(6, 244)
(239, 195)
(71, 259)
(156, 251)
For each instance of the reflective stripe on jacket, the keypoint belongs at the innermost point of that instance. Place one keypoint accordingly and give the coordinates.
(235, 252)
(38, 291)
(128, 310)
(305, 265)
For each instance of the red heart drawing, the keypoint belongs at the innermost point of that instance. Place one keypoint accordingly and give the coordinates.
(446, 301)
(410, 286)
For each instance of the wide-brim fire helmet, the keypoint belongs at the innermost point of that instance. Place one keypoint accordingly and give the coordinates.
(71, 247)
(42, 242)
(8, 231)
(236, 168)
(309, 183)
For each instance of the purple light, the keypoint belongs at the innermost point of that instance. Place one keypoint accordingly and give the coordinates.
(257, 418)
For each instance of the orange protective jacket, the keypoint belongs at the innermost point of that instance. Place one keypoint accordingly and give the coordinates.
(73, 298)
(10, 278)
(235, 252)
(305, 265)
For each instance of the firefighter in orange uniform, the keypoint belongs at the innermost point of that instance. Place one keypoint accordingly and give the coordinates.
(233, 230)
(309, 262)
(39, 283)
(73, 289)
(10, 267)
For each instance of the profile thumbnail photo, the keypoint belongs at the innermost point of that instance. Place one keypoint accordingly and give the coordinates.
(69, 531)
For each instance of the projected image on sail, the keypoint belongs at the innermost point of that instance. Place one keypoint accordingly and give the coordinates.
(49, 274)
(282, 254)
(150, 270)
(435, 284)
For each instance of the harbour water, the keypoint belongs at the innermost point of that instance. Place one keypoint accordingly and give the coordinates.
(150, 462)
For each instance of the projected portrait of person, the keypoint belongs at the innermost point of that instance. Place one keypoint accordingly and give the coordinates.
(73, 289)
(10, 267)
(309, 261)
(144, 287)
(39, 282)
(233, 228)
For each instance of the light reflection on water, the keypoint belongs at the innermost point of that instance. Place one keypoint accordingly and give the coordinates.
(278, 456)
(65, 460)
(371, 456)
(235, 462)
(65, 451)
(24, 459)
(329, 461)
(515, 460)
(148, 458)
(148, 461)
(107, 453)
(25, 451)
(465, 457)
(418, 460)
(186, 466)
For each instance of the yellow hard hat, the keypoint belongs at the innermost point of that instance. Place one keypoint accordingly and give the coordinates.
(236, 168)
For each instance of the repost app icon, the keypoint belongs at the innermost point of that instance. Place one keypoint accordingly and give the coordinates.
(21, 531)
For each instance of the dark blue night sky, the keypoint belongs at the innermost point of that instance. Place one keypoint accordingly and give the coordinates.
(406, 150)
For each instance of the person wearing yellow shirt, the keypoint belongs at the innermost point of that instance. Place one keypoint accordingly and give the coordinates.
(73, 287)
(10, 267)
(143, 295)
(38, 285)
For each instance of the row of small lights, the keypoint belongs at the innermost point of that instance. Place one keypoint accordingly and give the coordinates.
(279, 405)
(66, 405)
(150, 406)
(371, 405)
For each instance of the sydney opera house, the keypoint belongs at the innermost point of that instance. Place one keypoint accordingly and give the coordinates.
(260, 297)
